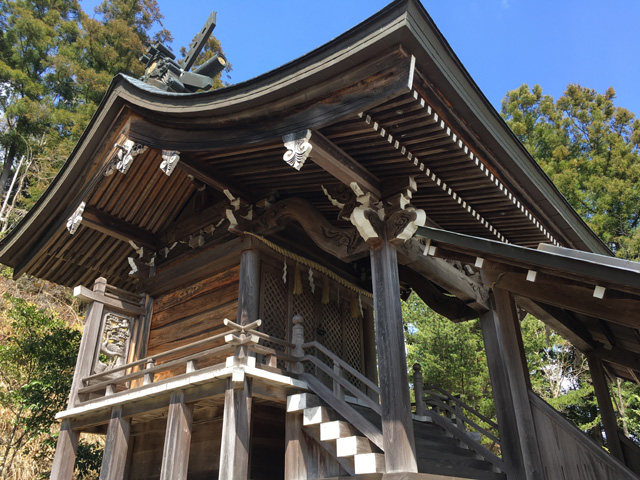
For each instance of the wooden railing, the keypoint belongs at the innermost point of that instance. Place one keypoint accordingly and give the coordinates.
(237, 340)
(459, 419)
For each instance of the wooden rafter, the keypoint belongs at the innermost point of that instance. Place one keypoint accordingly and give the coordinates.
(117, 228)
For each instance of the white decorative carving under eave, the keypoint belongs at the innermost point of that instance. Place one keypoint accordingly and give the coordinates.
(114, 342)
(126, 153)
(298, 148)
(170, 159)
(76, 219)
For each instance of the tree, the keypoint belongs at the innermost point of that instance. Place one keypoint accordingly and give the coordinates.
(591, 150)
(451, 354)
(37, 358)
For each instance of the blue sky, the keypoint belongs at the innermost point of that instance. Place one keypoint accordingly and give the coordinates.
(502, 43)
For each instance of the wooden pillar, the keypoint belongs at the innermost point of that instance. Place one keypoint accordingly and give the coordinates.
(65, 456)
(114, 459)
(370, 355)
(236, 431)
(397, 423)
(510, 441)
(605, 406)
(249, 288)
(177, 439)
(297, 449)
(518, 380)
(67, 444)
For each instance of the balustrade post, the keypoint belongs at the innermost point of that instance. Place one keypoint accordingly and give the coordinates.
(458, 410)
(148, 377)
(418, 390)
(338, 389)
(297, 338)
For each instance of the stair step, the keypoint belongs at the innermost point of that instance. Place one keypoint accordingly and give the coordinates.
(436, 449)
(318, 415)
(336, 429)
(458, 471)
(369, 463)
(300, 401)
(353, 445)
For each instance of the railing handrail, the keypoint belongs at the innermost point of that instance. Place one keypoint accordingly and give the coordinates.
(154, 358)
(462, 404)
(272, 339)
(342, 364)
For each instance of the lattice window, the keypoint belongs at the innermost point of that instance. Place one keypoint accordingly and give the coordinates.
(330, 335)
(274, 310)
(352, 353)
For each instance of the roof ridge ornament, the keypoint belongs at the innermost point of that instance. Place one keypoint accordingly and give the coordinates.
(298, 148)
(164, 72)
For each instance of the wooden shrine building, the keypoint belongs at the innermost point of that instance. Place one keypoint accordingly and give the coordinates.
(244, 253)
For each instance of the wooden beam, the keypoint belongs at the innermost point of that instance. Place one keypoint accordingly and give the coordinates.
(117, 228)
(114, 459)
(341, 165)
(619, 356)
(450, 307)
(206, 175)
(236, 431)
(605, 406)
(83, 294)
(519, 383)
(198, 221)
(397, 423)
(622, 309)
(177, 439)
(467, 288)
(66, 449)
(561, 321)
(298, 449)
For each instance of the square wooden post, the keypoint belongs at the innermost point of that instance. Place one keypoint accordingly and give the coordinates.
(65, 457)
(605, 406)
(67, 444)
(510, 441)
(236, 431)
(116, 447)
(177, 439)
(397, 423)
(512, 352)
(298, 452)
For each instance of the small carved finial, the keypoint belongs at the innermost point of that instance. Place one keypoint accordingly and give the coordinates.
(298, 148)
(170, 159)
(76, 219)
(417, 367)
(297, 319)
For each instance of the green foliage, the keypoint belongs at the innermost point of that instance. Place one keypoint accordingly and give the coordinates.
(452, 355)
(591, 150)
(37, 357)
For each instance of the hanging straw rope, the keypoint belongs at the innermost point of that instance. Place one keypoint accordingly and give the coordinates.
(310, 263)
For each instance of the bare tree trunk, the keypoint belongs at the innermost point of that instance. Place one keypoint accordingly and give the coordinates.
(621, 407)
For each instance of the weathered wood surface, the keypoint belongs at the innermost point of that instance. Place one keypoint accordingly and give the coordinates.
(605, 406)
(177, 439)
(235, 449)
(117, 228)
(511, 449)
(518, 376)
(114, 458)
(193, 312)
(65, 456)
(88, 343)
(249, 287)
(397, 424)
(566, 453)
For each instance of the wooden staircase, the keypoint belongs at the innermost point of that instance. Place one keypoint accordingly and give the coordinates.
(355, 452)
(438, 453)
